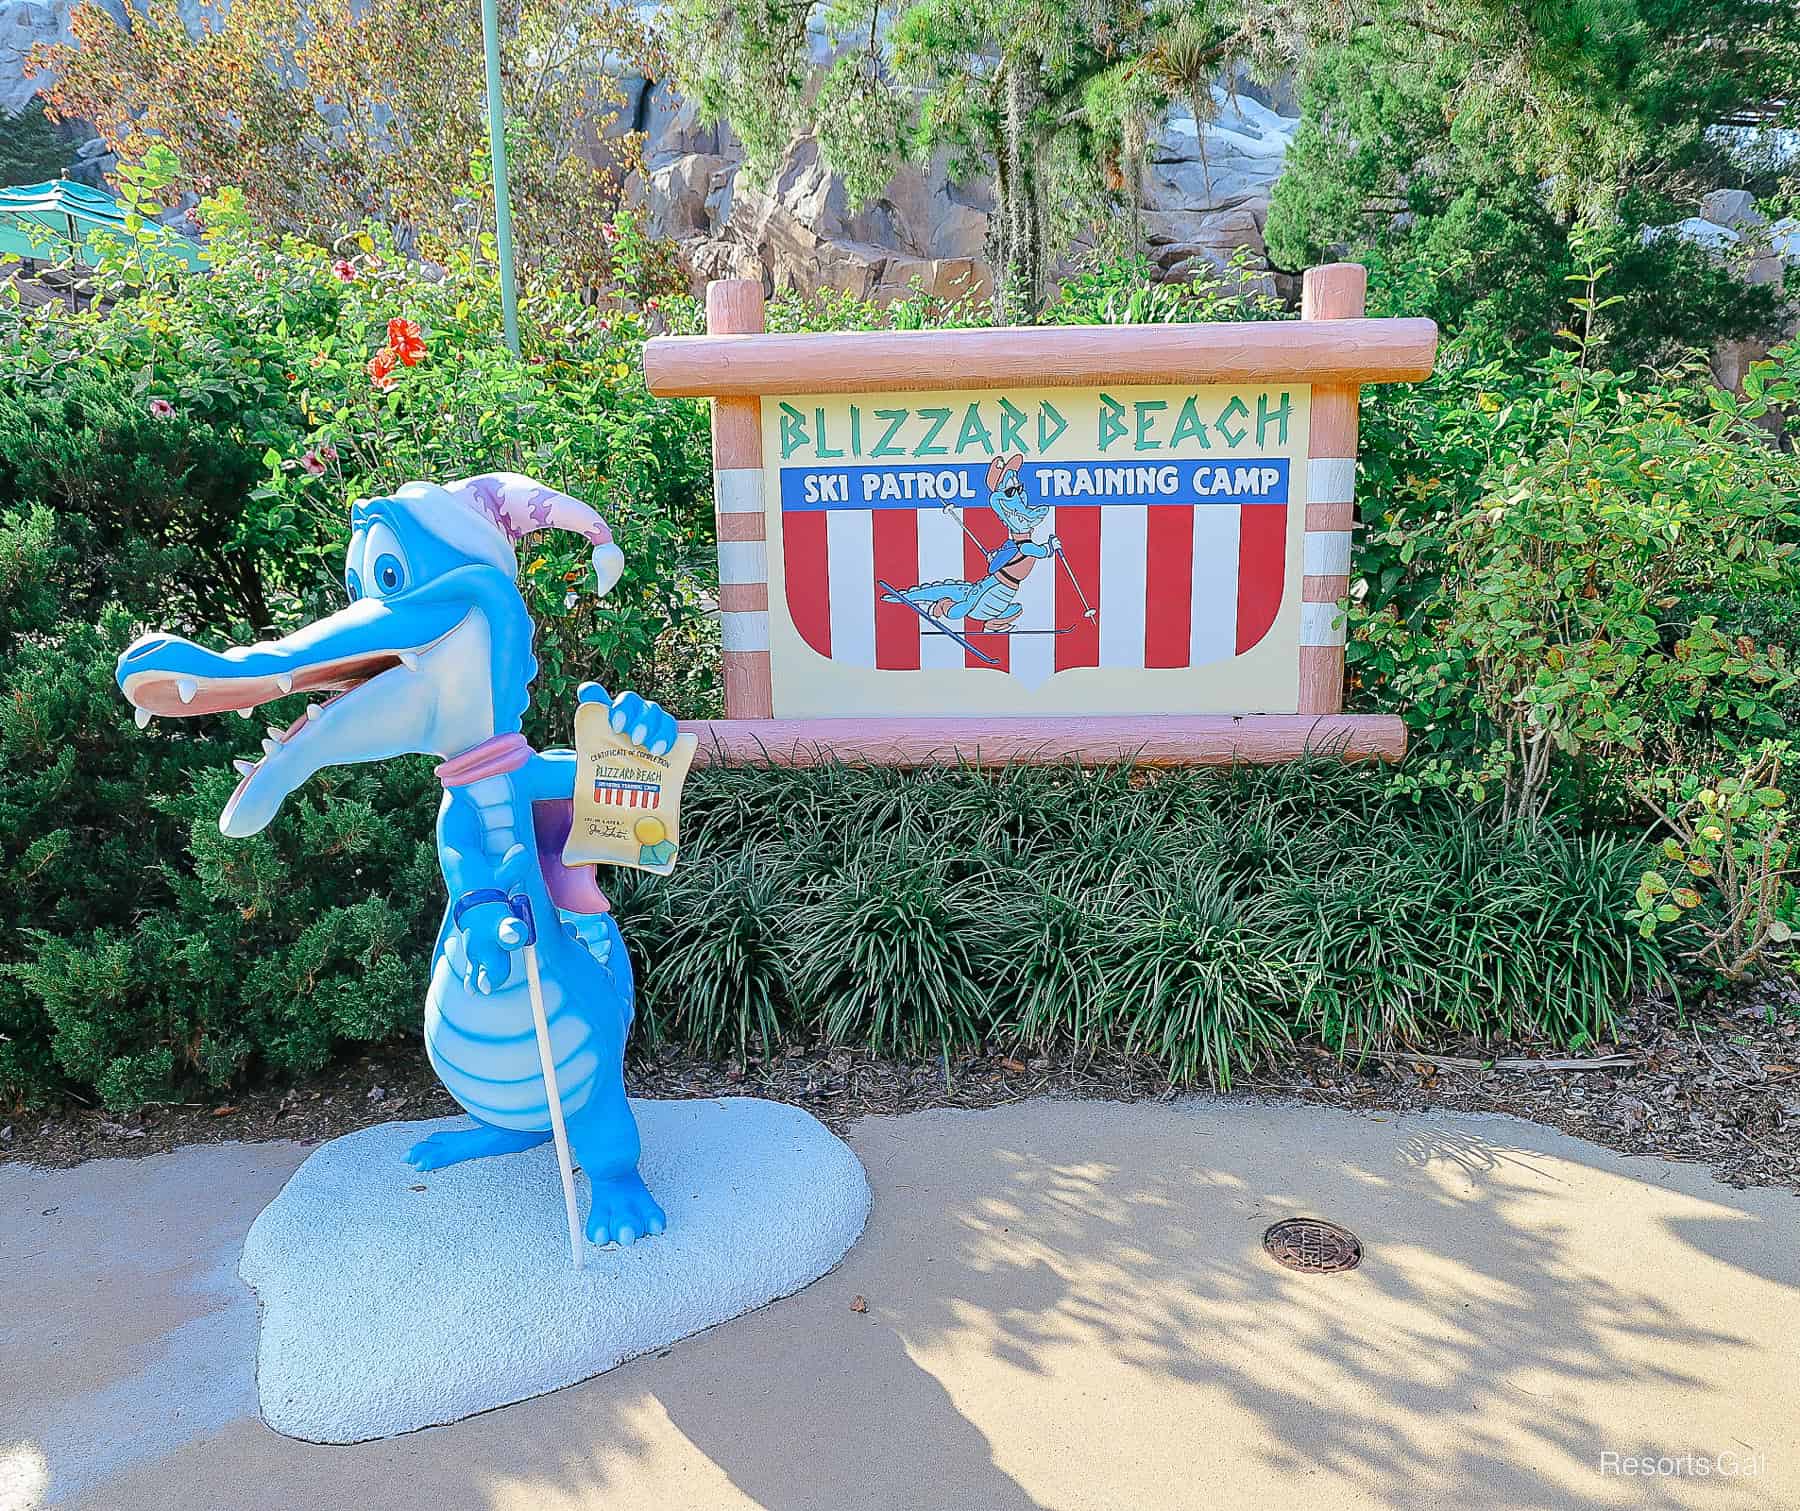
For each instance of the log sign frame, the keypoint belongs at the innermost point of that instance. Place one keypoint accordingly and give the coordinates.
(1050, 543)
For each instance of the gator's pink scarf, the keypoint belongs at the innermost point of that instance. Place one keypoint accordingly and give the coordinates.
(492, 757)
(572, 888)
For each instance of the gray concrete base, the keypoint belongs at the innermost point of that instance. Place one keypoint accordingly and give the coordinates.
(1066, 1306)
(393, 1300)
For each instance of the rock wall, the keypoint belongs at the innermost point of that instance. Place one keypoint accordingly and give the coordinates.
(1205, 195)
(1757, 251)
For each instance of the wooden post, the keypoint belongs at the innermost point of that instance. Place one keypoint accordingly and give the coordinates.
(1336, 291)
(734, 307)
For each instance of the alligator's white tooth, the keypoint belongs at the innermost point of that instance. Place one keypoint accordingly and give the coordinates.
(410, 660)
(314, 710)
(285, 682)
(270, 747)
(277, 735)
(142, 716)
(246, 713)
(244, 768)
(187, 687)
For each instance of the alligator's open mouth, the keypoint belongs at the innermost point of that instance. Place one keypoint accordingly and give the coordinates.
(159, 693)
(170, 695)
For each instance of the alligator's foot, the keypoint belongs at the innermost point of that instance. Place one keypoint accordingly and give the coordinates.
(623, 1210)
(455, 1145)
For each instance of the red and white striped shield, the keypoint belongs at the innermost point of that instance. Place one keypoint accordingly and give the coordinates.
(619, 792)
(1172, 585)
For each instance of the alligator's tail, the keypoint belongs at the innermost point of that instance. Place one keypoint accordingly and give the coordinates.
(930, 592)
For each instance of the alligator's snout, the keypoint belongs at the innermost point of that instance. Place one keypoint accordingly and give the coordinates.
(168, 676)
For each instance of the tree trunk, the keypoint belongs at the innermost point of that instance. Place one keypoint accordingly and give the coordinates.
(1019, 265)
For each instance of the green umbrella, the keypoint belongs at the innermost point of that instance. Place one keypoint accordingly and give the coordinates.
(82, 219)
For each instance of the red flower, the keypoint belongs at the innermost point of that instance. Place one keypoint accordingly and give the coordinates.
(345, 273)
(162, 409)
(381, 369)
(405, 342)
(313, 463)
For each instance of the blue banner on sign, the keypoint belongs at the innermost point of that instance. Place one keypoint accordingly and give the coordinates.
(1191, 481)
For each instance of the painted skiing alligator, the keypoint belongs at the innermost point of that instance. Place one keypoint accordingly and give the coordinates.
(433, 655)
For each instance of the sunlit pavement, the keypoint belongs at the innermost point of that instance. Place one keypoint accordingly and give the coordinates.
(1066, 1304)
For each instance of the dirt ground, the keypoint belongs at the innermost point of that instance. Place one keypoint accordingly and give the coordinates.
(1718, 1086)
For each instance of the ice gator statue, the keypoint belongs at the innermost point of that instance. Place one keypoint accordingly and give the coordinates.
(433, 655)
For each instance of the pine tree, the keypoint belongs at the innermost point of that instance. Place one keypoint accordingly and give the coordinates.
(30, 149)
(1460, 141)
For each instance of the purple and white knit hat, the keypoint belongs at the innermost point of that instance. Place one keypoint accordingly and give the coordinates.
(517, 506)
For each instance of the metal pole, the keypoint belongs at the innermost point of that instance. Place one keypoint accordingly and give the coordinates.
(509, 299)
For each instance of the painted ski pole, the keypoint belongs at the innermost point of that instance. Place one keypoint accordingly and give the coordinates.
(526, 925)
(1087, 609)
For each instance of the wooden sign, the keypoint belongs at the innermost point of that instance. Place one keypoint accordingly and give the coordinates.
(1050, 543)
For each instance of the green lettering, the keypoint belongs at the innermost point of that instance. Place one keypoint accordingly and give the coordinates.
(974, 430)
(1265, 416)
(1112, 420)
(895, 418)
(939, 419)
(855, 431)
(819, 425)
(1147, 410)
(1047, 438)
(1012, 426)
(1237, 409)
(793, 431)
(1188, 423)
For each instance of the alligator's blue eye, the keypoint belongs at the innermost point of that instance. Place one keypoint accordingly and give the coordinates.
(390, 576)
(352, 584)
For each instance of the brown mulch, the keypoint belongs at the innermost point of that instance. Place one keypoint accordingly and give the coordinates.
(1720, 1088)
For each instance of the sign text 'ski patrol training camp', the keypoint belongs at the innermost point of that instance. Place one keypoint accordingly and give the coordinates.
(1124, 542)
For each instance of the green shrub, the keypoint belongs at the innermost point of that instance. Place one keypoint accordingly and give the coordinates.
(1556, 606)
(150, 955)
(149, 510)
(183, 458)
(165, 461)
(1729, 846)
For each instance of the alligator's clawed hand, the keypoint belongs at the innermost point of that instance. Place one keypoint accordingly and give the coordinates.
(490, 934)
(645, 724)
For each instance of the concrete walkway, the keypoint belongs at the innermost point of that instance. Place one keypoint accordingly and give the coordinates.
(1067, 1306)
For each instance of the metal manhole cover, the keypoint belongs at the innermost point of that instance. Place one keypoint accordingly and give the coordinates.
(1313, 1246)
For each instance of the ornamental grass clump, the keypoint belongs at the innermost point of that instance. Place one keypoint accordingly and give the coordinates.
(1205, 919)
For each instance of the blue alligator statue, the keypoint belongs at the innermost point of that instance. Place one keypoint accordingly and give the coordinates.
(433, 655)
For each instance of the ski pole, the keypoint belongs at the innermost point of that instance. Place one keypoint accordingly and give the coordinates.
(1087, 609)
(527, 926)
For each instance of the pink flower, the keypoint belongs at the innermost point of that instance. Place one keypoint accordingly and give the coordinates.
(329, 452)
(313, 463)
(162, 409)
(345, 273)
